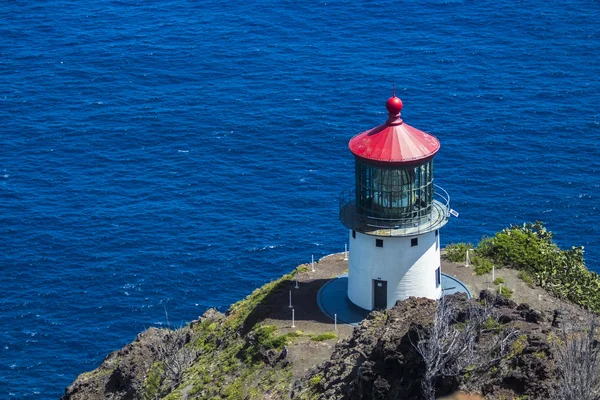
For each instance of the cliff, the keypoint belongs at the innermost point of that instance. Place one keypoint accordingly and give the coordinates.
(236, 355)
(532, 346)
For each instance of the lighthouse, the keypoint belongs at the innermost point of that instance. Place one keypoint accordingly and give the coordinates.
(394, 213)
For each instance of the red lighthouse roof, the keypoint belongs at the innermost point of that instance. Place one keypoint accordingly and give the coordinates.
(394, 142)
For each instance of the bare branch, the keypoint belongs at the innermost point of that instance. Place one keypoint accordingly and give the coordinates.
(448, 347)
(176, 354)
(578, 358)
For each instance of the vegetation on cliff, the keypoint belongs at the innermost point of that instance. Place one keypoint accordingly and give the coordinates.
(531, 249)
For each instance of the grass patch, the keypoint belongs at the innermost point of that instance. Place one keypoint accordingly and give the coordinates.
(491, 324)
(230, 364)
(518, 346)
(267, 339)
(239, 313)
(506, 292)
(498, 281)
(315, 380)
(323, 336)
(294, 335)
(525, 277)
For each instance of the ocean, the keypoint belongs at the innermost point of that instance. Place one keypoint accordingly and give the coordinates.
(158, 158)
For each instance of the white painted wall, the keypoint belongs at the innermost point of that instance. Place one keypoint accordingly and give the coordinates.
(409, 271)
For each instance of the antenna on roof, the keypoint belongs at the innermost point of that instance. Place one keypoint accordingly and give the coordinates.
(393, 89)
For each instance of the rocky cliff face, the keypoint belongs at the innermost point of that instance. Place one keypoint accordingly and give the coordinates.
(224, 356)
(380, 360)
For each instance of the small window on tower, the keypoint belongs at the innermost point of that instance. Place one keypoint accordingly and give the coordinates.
(379, 242)
(353, 234)
(414, 242)
(436, 233)
(438, 277)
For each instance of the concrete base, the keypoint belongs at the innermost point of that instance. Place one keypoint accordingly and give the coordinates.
(333, 298)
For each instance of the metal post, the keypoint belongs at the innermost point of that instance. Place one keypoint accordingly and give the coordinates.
(345, 252)
(493, 273)
(312, 263)
(293, 318)
(296, 280)
(335, 321)
(290, 306)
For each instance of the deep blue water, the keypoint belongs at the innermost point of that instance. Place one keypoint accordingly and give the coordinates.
(177, 154)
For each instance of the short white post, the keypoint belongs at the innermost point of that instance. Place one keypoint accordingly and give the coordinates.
(345, 252)
(312, 263)
(293, 318)
(500, 290)
(296, 280)
(290, 306)
(493, 273)
(468, 259)
(335, 321)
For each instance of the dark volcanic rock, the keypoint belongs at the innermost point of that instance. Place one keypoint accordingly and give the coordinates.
(122, 373)
(532, 316)
(212, 314)
(556, 319)
(380, 362)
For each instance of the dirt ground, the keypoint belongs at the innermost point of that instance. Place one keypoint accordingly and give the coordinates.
(536, 297)
(305, 352)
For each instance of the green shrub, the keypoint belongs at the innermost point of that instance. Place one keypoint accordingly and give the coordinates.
(315, 380)
(498, 281)
(154, 381)
(323, 336)
(267, 339)
(525, 277)
(481, 265)
(524, 247)
(518, 346)
(506, 292)
(457, 252)
(492, 324)
(530, 248)
(485, 247)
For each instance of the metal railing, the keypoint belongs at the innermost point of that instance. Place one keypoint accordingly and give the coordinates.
(418, 221)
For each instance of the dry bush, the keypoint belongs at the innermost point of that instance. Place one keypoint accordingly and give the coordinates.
(577, 357)
(448, 348)
(176, 353)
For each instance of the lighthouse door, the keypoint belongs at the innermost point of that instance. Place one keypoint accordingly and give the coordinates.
(379, 294)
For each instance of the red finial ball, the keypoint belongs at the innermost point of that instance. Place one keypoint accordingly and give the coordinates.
(393, 105)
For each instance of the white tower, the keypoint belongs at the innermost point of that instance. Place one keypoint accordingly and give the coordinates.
(394, 214)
